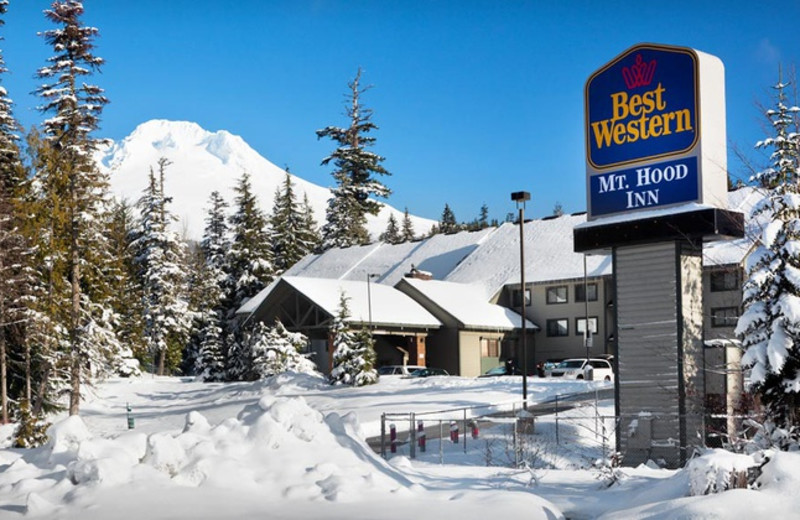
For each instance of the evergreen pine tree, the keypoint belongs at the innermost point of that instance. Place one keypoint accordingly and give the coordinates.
(355, 173)
(286, 221)
(249, 259)
(353, 352)
(310, 239)
(13, 247)
(483, 217)
(392, 233)
(276, 350)
(160, 258)
(770, 324)
(74, 180)
(208, 358)
(407, 231)
(448, 223)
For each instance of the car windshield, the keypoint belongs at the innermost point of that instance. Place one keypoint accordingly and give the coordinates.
(575, 363)
(496, 370)
(385, 371)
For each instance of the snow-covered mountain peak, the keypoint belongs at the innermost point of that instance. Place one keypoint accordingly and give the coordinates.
(202, 162)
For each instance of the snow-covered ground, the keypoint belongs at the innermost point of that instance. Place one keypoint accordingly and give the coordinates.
(293, 447)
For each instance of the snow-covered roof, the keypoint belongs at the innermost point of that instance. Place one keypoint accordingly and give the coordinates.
(389, 306)
(549, 255)
(728, 252)
(467, 304)
(439, 255)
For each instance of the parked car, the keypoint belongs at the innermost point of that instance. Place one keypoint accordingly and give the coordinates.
(397, 370)
(576, 368)
(428, 371)
(545, 368)
(502, 370)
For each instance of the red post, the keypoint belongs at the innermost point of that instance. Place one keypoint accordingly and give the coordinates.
(454, 432)
(421, 436)
(475, 431)
(393, 438)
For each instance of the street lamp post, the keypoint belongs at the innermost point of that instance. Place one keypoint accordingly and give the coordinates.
(369, 298)
(519, 197)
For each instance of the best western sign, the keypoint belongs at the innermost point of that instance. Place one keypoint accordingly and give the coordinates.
(655, 131)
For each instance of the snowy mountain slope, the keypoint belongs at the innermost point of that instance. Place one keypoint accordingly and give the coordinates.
(204, 161)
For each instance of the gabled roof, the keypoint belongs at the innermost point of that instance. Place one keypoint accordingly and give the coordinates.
(549, 256)
(466, 304)
(439, 255)
(390, 307)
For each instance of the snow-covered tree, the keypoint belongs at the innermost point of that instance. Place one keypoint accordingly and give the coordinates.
(356, 171)
(207, 348)
(275, 350)
(353, 352)
(407, 230)
(288, 222)
(392, 233)
(448, 223)
(249, 259)
(309, 232)
(770, 323)
(14, 286)
(71, 179)
(160, 258)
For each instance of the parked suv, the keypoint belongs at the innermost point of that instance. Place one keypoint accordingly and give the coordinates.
(397, 370)
(576, 368)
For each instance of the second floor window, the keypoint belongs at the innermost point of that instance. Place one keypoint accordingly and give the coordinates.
(557, 294)
(727, 280)
(583, 291)
(558, 327)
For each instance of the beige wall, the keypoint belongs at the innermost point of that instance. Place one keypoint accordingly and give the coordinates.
(550, 347)
(472, 364)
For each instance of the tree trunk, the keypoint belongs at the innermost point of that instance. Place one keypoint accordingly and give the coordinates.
(3, 379)
(75, 369)
(162, 355)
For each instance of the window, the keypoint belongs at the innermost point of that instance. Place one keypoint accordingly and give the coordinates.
(580, 325)
(591, 290)
(557, 294)
(724, 316)
(558, 327)
(727, 280)
(490, 347)
(515, 298)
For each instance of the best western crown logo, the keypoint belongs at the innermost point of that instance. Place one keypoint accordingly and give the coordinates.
(639, 74)
(641, 106)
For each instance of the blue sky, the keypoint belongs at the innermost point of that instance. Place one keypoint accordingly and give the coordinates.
(474, 99)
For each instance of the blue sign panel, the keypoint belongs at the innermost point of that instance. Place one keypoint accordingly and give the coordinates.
(644, 187)
(641, 106)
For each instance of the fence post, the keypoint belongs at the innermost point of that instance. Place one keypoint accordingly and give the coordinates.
(441, 445)
(465, 430)
(393, 437)
(412, 434)
(421, 436)
(383, 435)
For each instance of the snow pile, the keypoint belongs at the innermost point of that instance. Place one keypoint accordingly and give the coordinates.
(718, 470)
(273, 448)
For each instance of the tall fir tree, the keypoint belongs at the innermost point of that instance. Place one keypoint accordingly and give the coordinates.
(770, 323)
(127, 292)
(160, 259)
(448, 223)
(353, 352)
(356, 172)
(249, 267)
(207, 357)
(73, 178)
(309, 233)
(407, 229)
(287, 222)
(14, 252)
(392, 233)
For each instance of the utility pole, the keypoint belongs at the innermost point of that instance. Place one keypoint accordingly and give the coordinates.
(519, 197)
